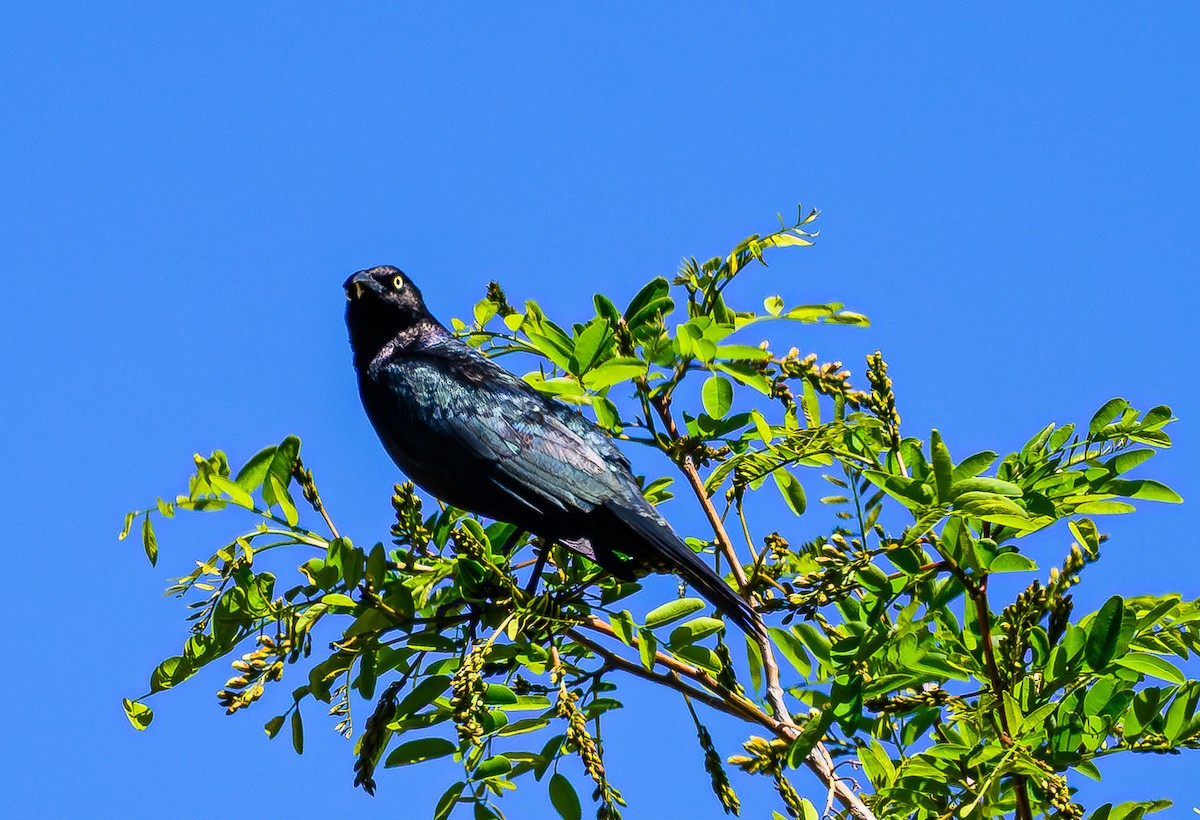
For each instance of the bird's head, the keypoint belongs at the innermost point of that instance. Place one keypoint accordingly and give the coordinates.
(383, 304)
(386, 290)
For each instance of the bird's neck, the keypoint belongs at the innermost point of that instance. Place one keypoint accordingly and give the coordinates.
(374, 340)
(418, 336)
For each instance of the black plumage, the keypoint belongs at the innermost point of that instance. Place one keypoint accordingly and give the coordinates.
(478, 437)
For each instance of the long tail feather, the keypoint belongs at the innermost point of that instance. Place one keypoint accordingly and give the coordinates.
(654, 544)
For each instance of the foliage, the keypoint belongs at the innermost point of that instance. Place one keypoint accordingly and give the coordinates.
(900, 661)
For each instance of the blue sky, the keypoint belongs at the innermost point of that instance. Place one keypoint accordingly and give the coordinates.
(1010, 195)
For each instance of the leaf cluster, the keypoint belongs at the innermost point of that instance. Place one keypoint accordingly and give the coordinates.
(472, 641)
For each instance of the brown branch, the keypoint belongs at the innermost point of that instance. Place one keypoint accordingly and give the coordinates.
(671, 681)
(819, 761)
(305, 479)
(688, 467)
(720, 698)
(982, 613)
(717, 696)
(748, 708)
(725, 543)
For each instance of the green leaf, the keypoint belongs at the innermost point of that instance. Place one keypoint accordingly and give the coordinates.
(272, 726)
(697, 629)
(1111, 409)
(418, 751)
(172, 671)
(672, 611)
(612, 372)
(791, 490)
(448, 800)
(742, 353)
(254, 473)
(129, 518)
(422, 695)
(911, 492)
(554, 345)
(277, 490)
(810, 313)
(528, 703)
(564, 798)
(149, 542)
(773, 305)
(605, 309)
(1104, 633)
(562, 387)
(623, 626)
(651, 294)
(493, 767)
(811, 404)
(494, 720)
(985, 485)
(1011, 562)
(1084, 530)
(717, 395)
(139, 714)
(1153, 666)
(849, 317)
(590, 347)
(1179, 715)
(701, 656)
(761, 426)
(234, 490)
(1105, 508)
(972, 466)
(647, 648)
(812, 733)
(977, 503)
(497, 694)
(746, 375)
(526, 725)
(784, 239)
(1144, 489)
(943, 466)
(1126, 461)
(877, 764)
(377, 566)
(814, 640)
(297, 732)
(791, 648)
(282, 462)
(607, 415)
(484, 310)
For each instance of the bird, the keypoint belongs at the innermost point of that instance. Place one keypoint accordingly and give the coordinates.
(479, 438)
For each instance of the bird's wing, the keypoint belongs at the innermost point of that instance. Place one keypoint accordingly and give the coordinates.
(472, 409)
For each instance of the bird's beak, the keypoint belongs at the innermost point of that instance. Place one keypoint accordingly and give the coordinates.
(357, 283)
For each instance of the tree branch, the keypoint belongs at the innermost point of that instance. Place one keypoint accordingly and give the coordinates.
(819, 761)
(978, 594)
(725, 543)
(671, 681)
(747, 708)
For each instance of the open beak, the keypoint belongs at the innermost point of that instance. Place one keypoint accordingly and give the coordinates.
(357, 283)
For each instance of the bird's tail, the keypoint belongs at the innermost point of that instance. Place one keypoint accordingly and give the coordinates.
(653, 544)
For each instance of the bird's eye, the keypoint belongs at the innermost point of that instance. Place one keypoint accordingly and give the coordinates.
(398, 283)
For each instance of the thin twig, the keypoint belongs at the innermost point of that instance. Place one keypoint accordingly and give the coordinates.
(725, 543)
(671, 681)
(978, 594)
(748, 708)
(720, 698)
(818, 761)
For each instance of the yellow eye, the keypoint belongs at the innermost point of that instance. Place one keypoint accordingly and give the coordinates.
(398, 282)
